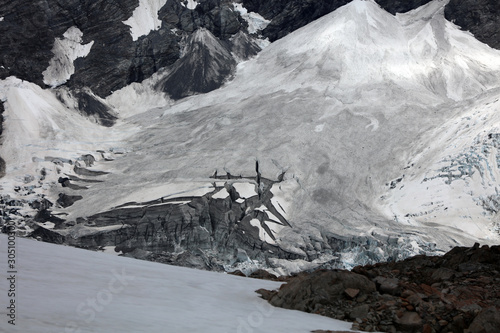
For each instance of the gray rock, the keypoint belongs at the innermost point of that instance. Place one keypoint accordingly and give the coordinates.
(443, 274)
(206, 64)
(480, 17)
(360, 311)
(388, 285)
(243, 47)
(487, 321)
(323, 287)
(66, 200)
(409, 322)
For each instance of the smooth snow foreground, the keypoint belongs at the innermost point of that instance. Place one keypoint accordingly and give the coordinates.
(63, 289)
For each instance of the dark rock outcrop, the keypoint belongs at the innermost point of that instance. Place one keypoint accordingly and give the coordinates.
(480, 17)
(243, 47)
(90, 105)
(66, 200)
(217, 16)
(457, 292)
(2, 110)
(2, 162)
(26, 39)
(398, 6)
(28, 31)
(206, 64)
(2, 167)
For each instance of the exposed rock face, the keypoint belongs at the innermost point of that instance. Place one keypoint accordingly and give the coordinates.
(26, 39)
(90, 105)
(217, 16)
(482, 18)
(28, 31)
(204, 67)
(2, 162)
(458, 292)
(395, 6)
(2, 109)
(68, 200)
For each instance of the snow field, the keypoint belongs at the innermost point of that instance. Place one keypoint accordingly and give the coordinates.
(63, 289)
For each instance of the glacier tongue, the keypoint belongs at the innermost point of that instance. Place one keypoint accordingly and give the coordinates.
(347, 120)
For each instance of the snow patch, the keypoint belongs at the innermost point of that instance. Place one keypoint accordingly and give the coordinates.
(255, 21)
(145, 18)
(66, 50)
(245, 190)
(168, 191)
(111, 250)
(132, 293)
(189, 4)
(222, 194)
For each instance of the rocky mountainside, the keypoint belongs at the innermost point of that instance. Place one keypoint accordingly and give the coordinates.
(457, 292)
(173, 131)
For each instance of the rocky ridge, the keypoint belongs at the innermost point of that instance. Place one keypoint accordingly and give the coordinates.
(456, 292)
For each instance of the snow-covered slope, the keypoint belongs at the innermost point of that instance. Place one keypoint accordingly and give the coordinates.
(62, 289)
(339, 111)
(341, 104)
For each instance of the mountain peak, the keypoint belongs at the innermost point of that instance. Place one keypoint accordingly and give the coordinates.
(361, 46)
(424, 13)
